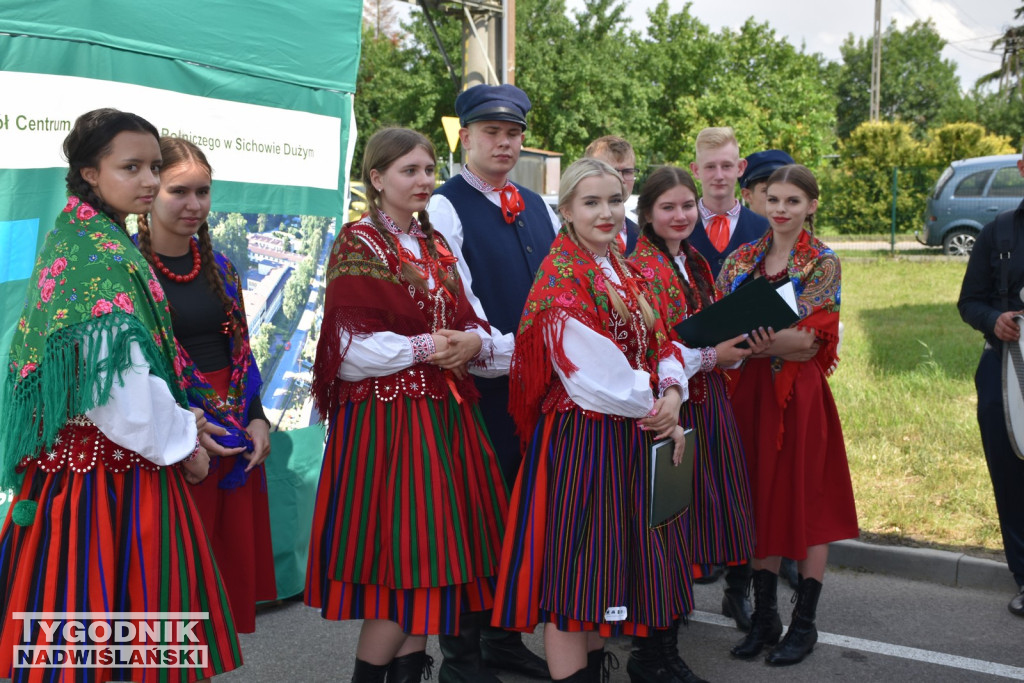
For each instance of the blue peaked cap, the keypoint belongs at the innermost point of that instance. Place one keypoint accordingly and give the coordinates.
(760, 165)
(492, 103)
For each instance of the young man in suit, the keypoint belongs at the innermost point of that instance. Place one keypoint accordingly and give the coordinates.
(619, 154)
(500, 232)
(724, 223)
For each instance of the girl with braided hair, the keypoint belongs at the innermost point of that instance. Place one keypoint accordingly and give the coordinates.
(98, 440)
(411, 503)
(721, 518)
(218, 373)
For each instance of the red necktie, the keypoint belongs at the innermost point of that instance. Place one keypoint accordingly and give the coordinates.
(718, 232)
(511, 202)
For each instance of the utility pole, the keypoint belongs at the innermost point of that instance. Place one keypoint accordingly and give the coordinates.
(876, 64)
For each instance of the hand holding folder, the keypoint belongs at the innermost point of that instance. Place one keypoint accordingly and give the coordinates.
(671, 484)
(755, 304)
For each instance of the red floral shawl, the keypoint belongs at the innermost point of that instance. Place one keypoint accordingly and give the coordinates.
(366, 293)
(814, 271)
(569, 283)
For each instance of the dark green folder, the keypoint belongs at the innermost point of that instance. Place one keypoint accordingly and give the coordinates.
(671, 485)
(753, 305)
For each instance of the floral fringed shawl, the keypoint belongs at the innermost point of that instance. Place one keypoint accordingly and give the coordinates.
(367, 293)
(813, 269)
(570, 284)
(231, 412)
(91, 288)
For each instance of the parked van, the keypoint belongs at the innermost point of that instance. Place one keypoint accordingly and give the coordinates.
(969, 194)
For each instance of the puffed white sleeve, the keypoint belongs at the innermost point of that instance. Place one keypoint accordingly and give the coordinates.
(495, 356)
(691, 360)
(604, 381)
(381, 353)
(142, 415)
(672, 372)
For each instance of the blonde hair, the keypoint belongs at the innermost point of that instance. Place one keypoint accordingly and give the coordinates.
(716, 138)
(610, 145)
(576, 173)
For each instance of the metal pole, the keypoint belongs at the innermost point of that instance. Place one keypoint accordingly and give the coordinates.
(876, 64)
(895, 195)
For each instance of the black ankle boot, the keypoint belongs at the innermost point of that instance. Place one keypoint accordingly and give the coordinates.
(365, 672)
(581, 676)
(462, 662)
(505, 650)
(802, 633)
(600, 665)
(735, 600)
(410, 668)
(655, 659)
(766, 627)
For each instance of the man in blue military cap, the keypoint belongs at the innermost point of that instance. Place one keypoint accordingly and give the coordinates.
(500, 232)
(754, 181)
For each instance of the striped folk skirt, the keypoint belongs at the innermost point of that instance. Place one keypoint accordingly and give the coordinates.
(409, 515)
(111, 541)
(722, 516)
(578, 551)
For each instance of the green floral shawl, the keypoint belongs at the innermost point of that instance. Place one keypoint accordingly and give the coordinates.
(90, 282)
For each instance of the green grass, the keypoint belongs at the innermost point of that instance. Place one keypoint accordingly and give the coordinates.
(905, 392)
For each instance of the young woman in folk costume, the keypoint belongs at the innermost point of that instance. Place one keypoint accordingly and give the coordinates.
(591, 359)
(97, 441)
(219, 375)
(721, 517)
(411, 506)
(796, 457)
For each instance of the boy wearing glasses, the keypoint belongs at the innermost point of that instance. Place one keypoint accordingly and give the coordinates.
(619, 154)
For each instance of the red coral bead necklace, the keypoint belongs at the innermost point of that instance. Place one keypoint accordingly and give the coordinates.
(187, 277)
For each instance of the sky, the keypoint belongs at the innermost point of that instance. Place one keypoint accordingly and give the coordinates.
(969, 26)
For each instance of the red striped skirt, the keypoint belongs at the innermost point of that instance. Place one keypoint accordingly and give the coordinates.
(237, 522)
(409, 515)
(578, 542)
(722, 516)
(110, 540)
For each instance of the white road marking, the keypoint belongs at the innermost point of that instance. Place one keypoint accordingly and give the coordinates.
(890, 650)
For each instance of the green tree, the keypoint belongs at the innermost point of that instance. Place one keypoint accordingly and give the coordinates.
(1010, 74)
(857, 196)
(917, 84)
(962, 141)
(229, 234)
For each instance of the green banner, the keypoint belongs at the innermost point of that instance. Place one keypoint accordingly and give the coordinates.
(267, 92)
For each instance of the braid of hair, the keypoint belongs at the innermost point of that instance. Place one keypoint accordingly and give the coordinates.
(77, 185)
(688, 293)
(208, 265)
(705, 286)
(145, 239)
(428, 230)
(645, 307)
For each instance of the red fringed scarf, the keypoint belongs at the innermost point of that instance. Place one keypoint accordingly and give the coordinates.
(367, 293)
(656, 267)
(813, 269)
(570, 284)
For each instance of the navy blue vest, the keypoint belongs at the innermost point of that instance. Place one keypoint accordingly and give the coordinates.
(749, 227)
(503, 258)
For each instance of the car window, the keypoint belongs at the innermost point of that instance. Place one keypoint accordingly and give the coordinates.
(973, 185)
(1007, 183)
(941, 182)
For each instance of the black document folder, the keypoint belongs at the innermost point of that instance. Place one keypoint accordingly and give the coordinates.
(671, 485)
(753, 305)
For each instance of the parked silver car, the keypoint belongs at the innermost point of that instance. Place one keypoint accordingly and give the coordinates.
(969, 194)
